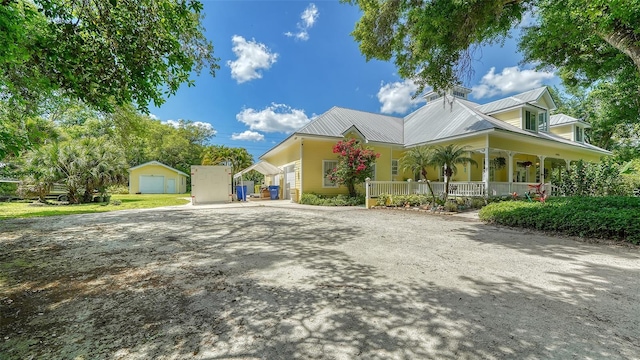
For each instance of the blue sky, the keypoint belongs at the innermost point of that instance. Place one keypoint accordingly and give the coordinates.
(284, 62)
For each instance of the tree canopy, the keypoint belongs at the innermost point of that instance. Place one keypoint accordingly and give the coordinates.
(101, 52)
(433, 41)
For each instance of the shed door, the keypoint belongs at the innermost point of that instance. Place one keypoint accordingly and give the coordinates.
(289, 181)
(151, 184)
(171, 186)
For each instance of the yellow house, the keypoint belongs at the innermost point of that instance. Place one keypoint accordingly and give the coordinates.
(156, 178)
(515, 141)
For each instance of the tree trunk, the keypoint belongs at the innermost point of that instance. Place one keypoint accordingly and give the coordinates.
(352, 189)
(424, 175)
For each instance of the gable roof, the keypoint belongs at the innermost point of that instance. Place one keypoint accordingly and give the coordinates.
(373, 127)
(530, 97)
(159, 164)
(562, 119)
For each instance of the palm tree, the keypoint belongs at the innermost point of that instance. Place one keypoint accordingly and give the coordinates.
(416, 160)
(449, 157)
(237, 158)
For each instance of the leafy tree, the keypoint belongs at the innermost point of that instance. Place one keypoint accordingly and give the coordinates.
(104, 53)
(178, 146)
(613, 111)
(417, 160)
(354, 164)
(101, 51)
(448, 157)
(434, 41)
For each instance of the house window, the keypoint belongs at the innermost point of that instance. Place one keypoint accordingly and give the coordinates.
(530, 121)
(373, 171)
(327, 166)
(394, 167)
(579, 134)
(543, 125)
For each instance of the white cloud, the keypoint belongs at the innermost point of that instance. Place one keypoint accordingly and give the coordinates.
(252, 57)
(176, 124)
(274, 118)
(153, 116)
(510, 80)
(309, 17)
(248, 136)
(396, 97)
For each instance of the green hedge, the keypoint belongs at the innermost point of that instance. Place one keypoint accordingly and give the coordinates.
(610, 217)
(339, 200)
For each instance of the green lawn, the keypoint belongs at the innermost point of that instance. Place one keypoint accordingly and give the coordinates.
(25, 210)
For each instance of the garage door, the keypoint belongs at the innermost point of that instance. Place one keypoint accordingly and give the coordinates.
(151, 184)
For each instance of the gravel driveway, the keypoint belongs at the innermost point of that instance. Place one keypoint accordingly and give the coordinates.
(265, 282)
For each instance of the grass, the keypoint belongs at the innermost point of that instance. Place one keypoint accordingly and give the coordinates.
(14, 210)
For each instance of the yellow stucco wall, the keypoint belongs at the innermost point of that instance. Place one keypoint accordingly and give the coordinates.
(565, 131)
(156, 170)
(513, 117)
(315, 151)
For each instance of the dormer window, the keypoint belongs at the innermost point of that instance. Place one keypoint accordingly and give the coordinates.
(530, 121)
(579, 134)
(543, 122)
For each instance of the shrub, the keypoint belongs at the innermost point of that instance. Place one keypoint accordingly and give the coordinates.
(118, 189)
(587, 179)
(609, 217)
(451, 206)
(339, 200)
(383, 199)
(477, 203)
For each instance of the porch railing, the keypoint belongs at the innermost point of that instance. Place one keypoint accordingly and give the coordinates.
(456, 188)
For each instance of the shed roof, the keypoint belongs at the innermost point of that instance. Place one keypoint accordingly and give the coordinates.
(374, 127)
(158, 164)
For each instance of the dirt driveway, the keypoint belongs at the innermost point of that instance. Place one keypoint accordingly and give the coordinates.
(295, 282)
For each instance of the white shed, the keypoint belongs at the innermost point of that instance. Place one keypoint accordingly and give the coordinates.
(210, 184)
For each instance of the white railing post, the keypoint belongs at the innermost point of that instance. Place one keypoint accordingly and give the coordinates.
(366, 187)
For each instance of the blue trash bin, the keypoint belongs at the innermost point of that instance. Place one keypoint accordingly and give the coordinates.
(274, 190)
(241, 192)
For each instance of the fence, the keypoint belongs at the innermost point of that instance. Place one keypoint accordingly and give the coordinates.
(456, 188)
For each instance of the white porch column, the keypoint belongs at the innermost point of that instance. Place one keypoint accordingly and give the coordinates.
(542, 157)
(485, 173)
(568, 163)
(367, 194)
(510, 169)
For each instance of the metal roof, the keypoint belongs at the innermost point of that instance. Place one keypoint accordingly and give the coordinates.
(562, 119)
(531, 96)
(446, 118)
(154, 162)
(374, 127)
(443, 119)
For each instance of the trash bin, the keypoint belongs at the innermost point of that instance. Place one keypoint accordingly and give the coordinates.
(273, 191)
(241, 193)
